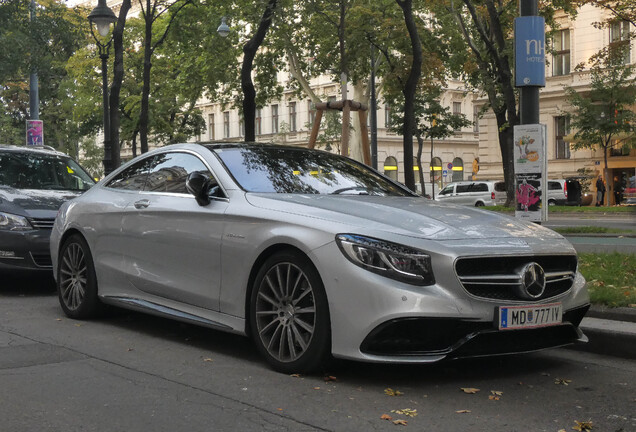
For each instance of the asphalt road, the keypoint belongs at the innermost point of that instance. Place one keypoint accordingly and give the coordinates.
(131, 372)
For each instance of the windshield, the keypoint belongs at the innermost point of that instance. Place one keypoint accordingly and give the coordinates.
(42, 171)
(296, 170)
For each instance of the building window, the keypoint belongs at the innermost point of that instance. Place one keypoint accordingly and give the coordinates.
(257, 121)
(457, 110)
(311, 109)
(619, 39)
(457, 169)
(391, 168)
(274, 118)
(561, 56)
(226, 124)
(476, 119)
(387, 116)
(211, 126)
(561, 129)
(292, 116)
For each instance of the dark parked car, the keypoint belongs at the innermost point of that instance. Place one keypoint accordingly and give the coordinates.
(34, 182)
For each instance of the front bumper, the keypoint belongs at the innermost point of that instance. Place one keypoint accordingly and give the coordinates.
(25, 250)
(454, 338)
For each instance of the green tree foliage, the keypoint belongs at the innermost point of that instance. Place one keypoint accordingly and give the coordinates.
(45, 45)
(604, 117)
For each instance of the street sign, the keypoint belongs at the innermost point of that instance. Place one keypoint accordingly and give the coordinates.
(530, 51)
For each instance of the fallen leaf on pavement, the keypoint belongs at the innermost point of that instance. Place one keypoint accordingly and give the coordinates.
(470, 390)
(207, 359)
(406, 411)
(495, 395)
(462, 411)
(400, 422)
(295, 375)
(328, 378)
(584, 426)
(386, 417)
(562, 381)
(391, 392)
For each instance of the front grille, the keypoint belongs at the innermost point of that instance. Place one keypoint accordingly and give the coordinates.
(498, 278)
(42, 260)
(42, 223)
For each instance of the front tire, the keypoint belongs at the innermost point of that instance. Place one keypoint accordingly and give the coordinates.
(76, 280)
(289, 314)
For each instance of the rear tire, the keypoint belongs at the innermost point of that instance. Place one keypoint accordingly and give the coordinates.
(289, 314)
(479, 204)
(76, 280)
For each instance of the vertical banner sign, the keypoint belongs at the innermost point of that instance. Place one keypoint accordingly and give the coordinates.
(529, 51)
(34, 133)
(529, 161)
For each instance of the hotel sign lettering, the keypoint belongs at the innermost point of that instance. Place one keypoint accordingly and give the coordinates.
(529, 51)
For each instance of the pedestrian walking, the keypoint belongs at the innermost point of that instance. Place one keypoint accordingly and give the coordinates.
(600, 191)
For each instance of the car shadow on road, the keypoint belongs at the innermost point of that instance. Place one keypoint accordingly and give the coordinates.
(215, 341)
(26, 284)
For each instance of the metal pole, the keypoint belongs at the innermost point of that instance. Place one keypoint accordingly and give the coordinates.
(529, 96)
(108, 163)
(373, 113)
(34, 97)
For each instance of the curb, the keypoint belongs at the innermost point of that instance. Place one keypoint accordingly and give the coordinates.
(611, 331)
(607, 337)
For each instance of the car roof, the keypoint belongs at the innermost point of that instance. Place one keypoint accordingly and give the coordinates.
(34, 149)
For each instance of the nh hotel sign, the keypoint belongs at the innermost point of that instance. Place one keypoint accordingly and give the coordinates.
(529, 51)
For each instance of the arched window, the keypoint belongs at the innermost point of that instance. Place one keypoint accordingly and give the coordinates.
(391, 168)
(458, 169)
(436, 171)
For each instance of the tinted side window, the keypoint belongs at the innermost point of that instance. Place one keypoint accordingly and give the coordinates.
(479, 187)
(462, 188)
(500, 187)
(446, 191)
(169, 171)
(554, 186)
(133, 177)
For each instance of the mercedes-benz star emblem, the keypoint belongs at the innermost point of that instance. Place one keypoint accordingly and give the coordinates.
(532, 281)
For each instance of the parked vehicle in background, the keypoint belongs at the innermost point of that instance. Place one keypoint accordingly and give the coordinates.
(564, 192)
(34, 182)
(313, 254)
(474, 193)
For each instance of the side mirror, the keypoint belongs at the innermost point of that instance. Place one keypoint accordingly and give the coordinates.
(200, 186)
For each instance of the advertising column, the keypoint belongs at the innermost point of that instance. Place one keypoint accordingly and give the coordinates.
(530, 169)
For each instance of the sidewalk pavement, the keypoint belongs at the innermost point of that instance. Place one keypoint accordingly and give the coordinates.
(611, 331)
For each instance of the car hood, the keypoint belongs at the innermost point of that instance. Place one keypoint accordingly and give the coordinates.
(33, 202)
(410, 216)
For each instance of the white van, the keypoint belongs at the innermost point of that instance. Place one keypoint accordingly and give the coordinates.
(474, 193)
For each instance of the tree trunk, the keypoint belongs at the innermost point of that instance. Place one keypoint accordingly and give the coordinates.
(145, 91)
(420, 149)
(410, 87)
(115, 88)
(249, 52)
(355, 144)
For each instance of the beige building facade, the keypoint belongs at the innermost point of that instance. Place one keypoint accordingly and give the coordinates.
(576, 41)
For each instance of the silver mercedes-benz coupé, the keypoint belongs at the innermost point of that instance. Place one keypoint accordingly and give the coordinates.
(313, 255)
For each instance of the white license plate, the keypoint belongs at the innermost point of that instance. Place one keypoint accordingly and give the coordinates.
(521, 317)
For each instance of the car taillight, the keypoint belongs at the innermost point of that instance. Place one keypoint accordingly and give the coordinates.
(565, 189)
(492, 196)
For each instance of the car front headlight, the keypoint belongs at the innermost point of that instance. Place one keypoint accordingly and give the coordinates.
(388, 259)
(11, 222)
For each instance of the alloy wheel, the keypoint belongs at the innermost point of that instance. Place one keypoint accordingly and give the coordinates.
(73, 277)
(285, 312)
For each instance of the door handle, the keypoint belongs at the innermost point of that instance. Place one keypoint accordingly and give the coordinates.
(142, 204)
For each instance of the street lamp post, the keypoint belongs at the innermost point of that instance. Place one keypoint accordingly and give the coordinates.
(103, 16)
